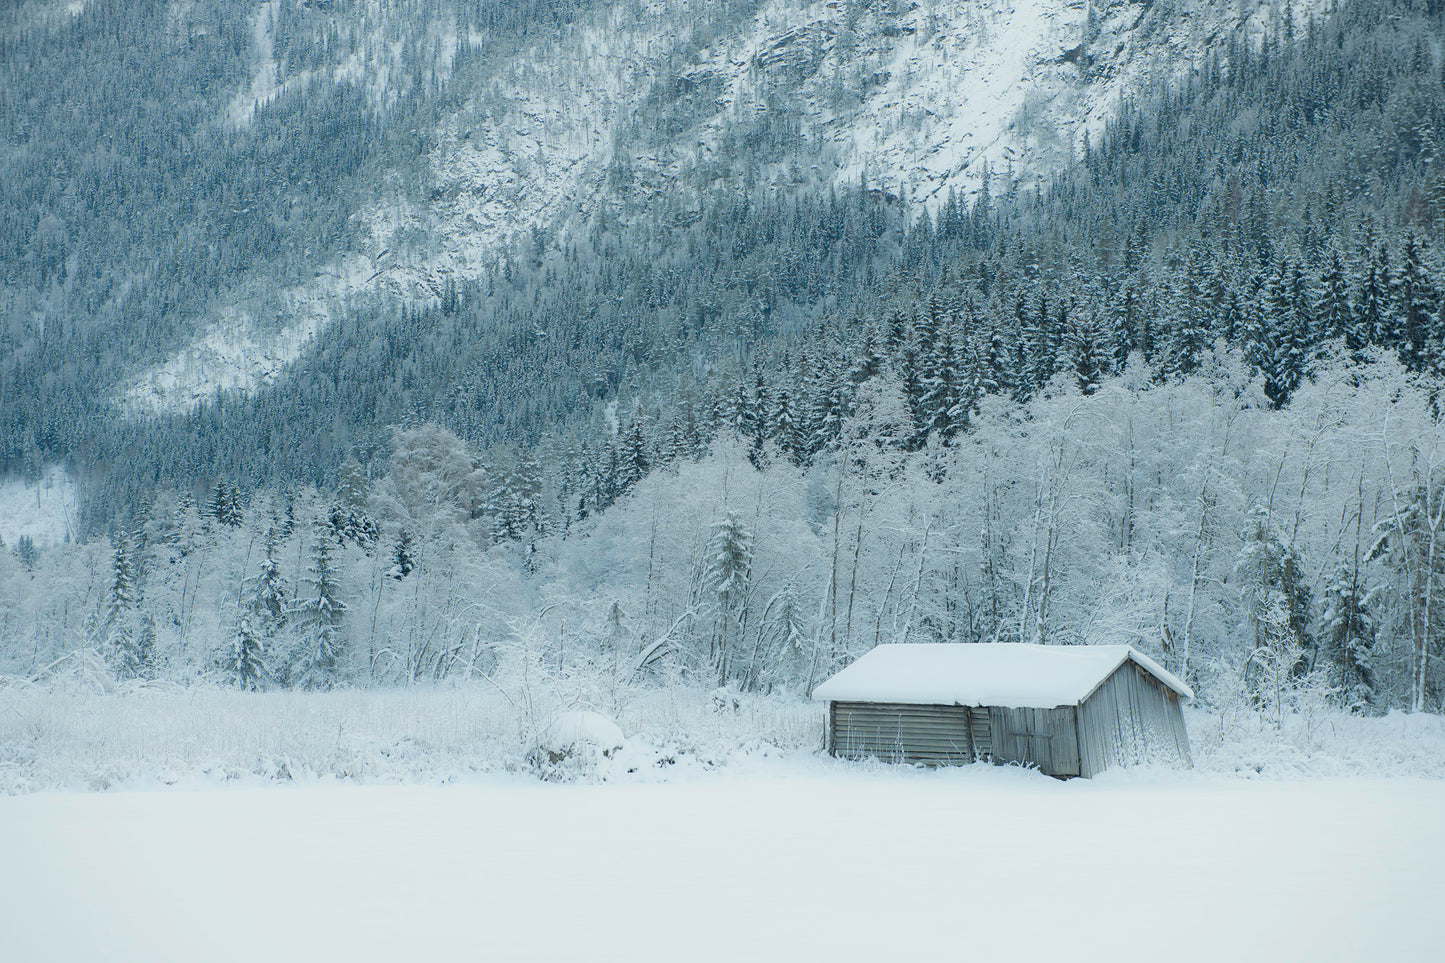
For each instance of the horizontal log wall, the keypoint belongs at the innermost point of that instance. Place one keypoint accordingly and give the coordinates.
(895, 732)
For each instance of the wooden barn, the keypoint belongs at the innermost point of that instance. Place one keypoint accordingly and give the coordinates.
(1070, 710)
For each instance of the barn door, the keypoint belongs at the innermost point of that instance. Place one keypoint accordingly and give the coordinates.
(1045, 738)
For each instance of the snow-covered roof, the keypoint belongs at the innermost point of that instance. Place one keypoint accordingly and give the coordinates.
(1011, 674)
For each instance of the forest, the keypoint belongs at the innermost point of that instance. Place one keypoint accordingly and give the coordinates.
(1184, 394)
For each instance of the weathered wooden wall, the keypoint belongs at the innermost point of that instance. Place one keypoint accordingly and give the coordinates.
(1131, 718)
(893, 732)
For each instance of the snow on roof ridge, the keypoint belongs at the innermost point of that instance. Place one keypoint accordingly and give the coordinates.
(1013, 674)
(1162, 674)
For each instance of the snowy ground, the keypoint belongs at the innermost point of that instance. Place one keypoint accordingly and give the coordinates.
(360, 825)
(144, 737)
(45, 511)
(781, 861)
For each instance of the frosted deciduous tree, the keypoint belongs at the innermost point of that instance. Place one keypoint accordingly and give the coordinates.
(1411, 541)
(435, 480)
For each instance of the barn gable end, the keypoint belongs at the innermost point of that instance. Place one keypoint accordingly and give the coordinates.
(1131, 717)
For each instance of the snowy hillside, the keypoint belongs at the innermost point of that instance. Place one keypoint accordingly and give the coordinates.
(634, 106)
(44, 510)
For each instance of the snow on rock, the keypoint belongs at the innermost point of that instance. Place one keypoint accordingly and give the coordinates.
(580, 728)
(1011, 674)
(44, 510)
(577, 745)
(264, 86)
(236, 353)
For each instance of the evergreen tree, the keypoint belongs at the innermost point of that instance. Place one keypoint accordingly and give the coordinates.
(225, 505)
(125, 643)
(994, 373)
(1037, 341)
(267, 596)
(832, 409)
(1333, 309)
(1415, 307)
(868, 358)
(318, 617)
(1283, 357)
(403, 559)
(1374, 321)
(1348, 635)
(1256, 336)
(516, 500)
(1087, 353)
(1191, 324)
(242, 662)
(615, 635)
(910, 376)
(217, 507)
(783, 430)
(726, 581)
(1122, 325)
(755, 425)
(633, 458)
(944, 392)
(1232, 324)
(354, 526)
(26, 552)
(675, 445)
(351, 486)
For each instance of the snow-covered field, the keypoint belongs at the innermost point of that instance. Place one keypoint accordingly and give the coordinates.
(775, 861)
(373, 824)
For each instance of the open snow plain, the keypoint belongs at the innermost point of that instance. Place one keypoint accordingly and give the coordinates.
(366, 825)
(788, 858)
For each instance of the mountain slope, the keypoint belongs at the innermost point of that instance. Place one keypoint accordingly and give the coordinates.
(502, 216)
(624, 104)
